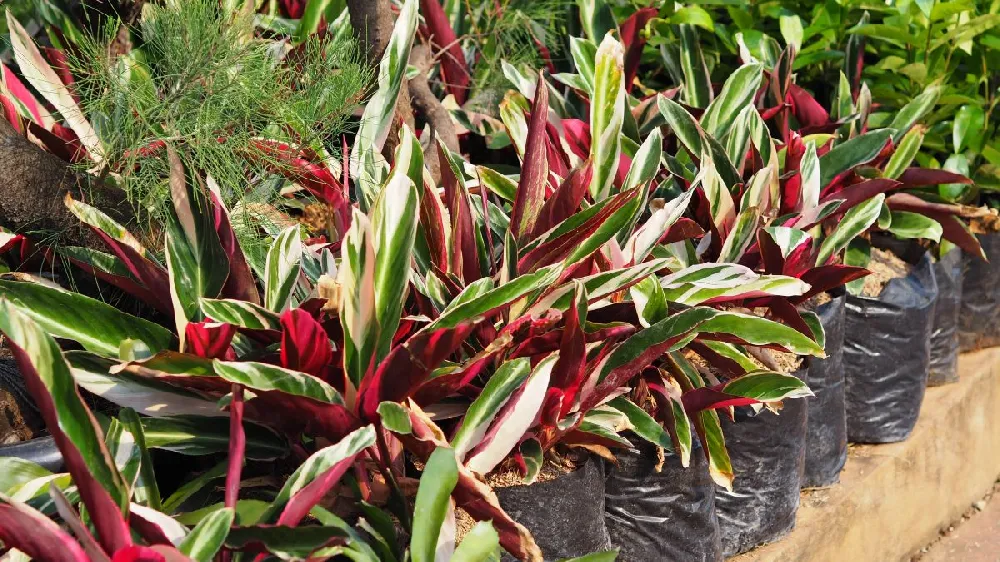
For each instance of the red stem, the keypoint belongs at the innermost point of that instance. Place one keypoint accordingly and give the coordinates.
(237, 447)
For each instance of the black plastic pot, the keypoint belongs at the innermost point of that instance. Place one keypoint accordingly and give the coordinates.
(943, 367)
(665, 515)
(887, 348)
(826, 433)
(565, 515)
(41, 450)
(979, 319)
(767, 451)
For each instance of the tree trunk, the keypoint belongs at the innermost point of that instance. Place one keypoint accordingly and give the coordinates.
(34, 186)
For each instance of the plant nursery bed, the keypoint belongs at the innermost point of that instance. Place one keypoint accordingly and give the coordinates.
(894, 499)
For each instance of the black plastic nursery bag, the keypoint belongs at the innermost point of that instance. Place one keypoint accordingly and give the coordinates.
(979, 319)
(887, 343)
(767, 451)
(944, 336)
(565, 515)
(666, 515)
(826, 433)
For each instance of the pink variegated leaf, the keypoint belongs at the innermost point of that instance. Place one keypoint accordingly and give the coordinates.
(34, 534)
(39, 74)
(534, 168)
(48, 378)
(20, 94)
(464, 251)
(513, 420)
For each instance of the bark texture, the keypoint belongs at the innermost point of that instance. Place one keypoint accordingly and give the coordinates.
(34, 186)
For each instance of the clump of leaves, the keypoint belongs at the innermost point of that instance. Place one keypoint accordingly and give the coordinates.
(242, 110)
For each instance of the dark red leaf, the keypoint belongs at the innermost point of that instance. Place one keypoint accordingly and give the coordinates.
(305, 346)
(237, 447)
(565, 201)
(633, 41)
(807, 111)
(454, 70)
(827, 277)
(32, 533)
(711, 398)
(919, 177)
(954, 230)
(858, 193)
(464, 251)
(211, 340)
(683, 229)
(407, 367)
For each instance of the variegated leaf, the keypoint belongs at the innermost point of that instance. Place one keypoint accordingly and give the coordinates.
(607, 114)
(283, 266)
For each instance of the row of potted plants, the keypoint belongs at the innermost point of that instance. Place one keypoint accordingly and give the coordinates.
(582, 349)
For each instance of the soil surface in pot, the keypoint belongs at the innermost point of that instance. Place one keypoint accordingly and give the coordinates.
(884, 267)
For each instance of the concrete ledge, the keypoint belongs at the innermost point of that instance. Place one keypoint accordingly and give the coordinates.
(894, 499)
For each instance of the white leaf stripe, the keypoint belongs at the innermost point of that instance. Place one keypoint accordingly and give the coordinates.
(282, 268)
(47, 83)
(607, 114)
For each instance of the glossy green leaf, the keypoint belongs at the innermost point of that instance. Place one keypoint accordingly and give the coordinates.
(914, 111)
(208, 536)
(855, 221)
(914, 225)
(483, 410)
(265, 377)
(859, 150)
(58, 313)
(432, 503)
